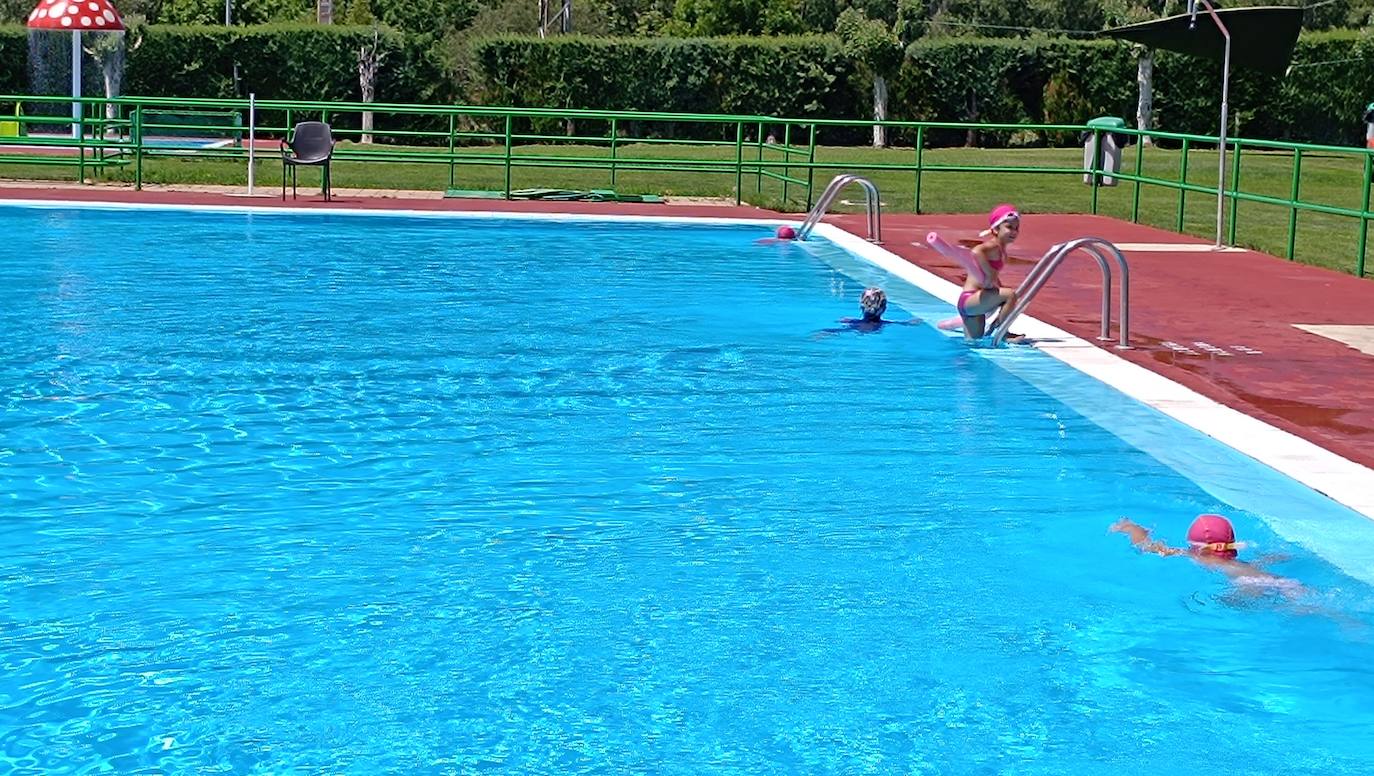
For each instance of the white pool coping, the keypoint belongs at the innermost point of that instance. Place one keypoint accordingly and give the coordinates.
(1340, 479)
(1325, 472)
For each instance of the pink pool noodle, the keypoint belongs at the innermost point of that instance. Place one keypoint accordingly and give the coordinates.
(962, 255)
(965, 258)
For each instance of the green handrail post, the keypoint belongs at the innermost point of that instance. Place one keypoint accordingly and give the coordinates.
(1364, 212)
(920, 153)
(786, 159)
(452, 127)
(138, 147)
(81, 143)
(811, 169)
(1139, 169)
(739, 162)
(1292, 208)
(1235, 189)
(508, 150)
(758, 168)
(1183, 180)
(615, 135)
(1094, 165)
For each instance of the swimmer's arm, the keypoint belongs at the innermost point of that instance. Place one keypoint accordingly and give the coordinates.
(1269, 559)
(1140, 537)
(823, 333)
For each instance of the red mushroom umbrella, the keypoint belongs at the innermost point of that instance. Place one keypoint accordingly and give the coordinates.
(74, 16)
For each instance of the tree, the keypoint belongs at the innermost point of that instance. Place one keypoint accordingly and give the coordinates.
(370, 58)
(879, 50)
(108, 50)
(734, 17)
(1119, 12)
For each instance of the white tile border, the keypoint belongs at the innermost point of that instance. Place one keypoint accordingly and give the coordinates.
(1340, 479)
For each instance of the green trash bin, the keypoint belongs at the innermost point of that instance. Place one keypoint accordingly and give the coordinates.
(1108, 145)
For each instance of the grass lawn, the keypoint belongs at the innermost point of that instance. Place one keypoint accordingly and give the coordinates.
(1324, 240)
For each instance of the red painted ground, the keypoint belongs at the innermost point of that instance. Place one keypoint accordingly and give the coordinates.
(1311, 386)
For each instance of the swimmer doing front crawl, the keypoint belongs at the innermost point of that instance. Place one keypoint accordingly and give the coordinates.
(1212, 543)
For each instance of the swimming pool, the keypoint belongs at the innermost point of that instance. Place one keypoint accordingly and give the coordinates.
(331, 493)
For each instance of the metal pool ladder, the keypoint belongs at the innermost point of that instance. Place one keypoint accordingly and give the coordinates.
(871, 203)
(1100, 250)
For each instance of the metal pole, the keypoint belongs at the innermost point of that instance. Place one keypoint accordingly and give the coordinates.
(1221, 165)
(228, 4)
(1225, 106)
(252, 124)
(76, 84)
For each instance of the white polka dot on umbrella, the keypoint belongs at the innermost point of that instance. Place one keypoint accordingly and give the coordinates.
(70, 15)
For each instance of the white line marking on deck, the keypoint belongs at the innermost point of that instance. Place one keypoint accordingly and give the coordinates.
(1359, 337)
(1175, 248)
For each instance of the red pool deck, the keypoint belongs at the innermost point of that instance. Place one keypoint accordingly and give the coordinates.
(1221, 323)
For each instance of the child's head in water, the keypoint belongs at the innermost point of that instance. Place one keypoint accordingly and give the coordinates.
(873, 303)
(1212, 535)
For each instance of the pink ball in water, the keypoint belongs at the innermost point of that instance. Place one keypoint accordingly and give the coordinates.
(787, 233)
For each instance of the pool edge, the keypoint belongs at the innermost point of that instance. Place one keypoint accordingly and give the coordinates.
(1323, 471)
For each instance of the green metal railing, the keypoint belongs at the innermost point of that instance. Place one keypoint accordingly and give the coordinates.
(1235, 194)
(121, 134)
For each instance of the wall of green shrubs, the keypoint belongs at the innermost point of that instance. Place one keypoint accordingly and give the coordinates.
(952, 79)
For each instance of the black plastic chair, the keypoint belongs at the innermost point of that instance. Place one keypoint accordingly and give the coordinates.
(311, 145)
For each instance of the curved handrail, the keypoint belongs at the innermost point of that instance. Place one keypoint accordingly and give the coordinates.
(1100, 250)
(871, 203)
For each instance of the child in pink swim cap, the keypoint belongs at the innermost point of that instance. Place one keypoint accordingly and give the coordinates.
(1212, 543)
(983, 295)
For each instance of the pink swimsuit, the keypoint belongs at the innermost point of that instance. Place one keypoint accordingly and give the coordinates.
(966, 295)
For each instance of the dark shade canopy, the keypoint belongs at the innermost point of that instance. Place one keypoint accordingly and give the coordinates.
(1262, 38)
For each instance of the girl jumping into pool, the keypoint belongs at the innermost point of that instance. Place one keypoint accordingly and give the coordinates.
(1212, 543)
(983, 292)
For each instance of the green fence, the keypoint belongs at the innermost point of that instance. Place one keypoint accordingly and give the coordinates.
(762, 159)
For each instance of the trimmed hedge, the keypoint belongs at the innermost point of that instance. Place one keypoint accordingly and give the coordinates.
(14, 59)
(305, 62)
(798, 76)
(953, 79)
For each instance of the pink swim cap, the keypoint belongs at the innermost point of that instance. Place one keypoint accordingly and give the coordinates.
(1000, 215)
(786, 232)
(1213, 534)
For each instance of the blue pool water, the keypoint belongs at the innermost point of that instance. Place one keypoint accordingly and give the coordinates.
(346, 494)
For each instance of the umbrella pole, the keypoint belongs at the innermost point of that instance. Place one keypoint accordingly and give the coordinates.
(1221, 136)
(76, 84)
(1225, 109)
